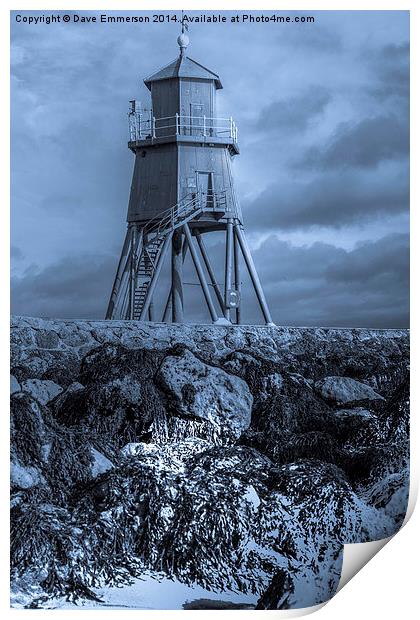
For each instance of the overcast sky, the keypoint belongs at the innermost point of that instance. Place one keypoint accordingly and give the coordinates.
(322, 110)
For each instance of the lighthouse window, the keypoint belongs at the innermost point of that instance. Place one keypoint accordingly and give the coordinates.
(190, 182)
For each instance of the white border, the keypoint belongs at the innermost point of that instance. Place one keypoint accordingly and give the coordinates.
(387, 586)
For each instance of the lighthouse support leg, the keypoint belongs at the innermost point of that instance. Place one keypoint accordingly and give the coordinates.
(168, 305)
(177, 291)
(253, 275)
(210, 271)
(237, 278)
(118, 276)
(148, 265)
(155, 277)
(200, 273)
(132, 274)
(228, 266)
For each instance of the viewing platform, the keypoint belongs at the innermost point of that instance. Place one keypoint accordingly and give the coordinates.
(181, 128)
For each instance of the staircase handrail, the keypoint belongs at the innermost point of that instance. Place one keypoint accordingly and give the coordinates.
(183, 211)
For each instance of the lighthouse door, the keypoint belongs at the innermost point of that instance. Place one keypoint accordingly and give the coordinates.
(197, 119)
(205, 188)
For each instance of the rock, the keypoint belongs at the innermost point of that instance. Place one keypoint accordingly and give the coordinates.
(357, 412)
(38, 443)
(28, 431)
(359, 428)
(207, 392)
(342, 390)
(112, 360)
(69, 406)
(208, 603)
(272, 383)
(168, 457)
(119, 409)
(251, 496)
(25, 477)
(390, 494)
(14, 385)
(59, 402)
(223, 516)
(277, 595)
(235, 339)
(118, 399)
(137, 449)
(63, 366)
(287, 405)
(30, 363)
(100, 463)
(171, 488)
(236, 362)
(47, 339)
(396, 415)
(42, 390)
(376, 357)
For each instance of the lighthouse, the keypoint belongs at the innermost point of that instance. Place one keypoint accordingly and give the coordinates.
(182, 191)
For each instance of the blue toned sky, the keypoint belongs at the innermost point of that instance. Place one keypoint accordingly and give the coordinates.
(323, 113)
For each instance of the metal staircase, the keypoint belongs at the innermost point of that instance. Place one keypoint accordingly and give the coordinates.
(156, 231)
(145, 269)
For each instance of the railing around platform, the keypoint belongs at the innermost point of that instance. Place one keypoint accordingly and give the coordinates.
(151, 128)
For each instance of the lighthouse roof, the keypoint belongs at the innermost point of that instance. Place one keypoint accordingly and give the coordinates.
(183, 67)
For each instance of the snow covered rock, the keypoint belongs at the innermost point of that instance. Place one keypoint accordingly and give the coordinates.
(25, 477)
(207, 392)
(343, 390)
(390, 494)
(42, 390)
(14, 385)
(136, 449)
(170, 457)
(100, 463)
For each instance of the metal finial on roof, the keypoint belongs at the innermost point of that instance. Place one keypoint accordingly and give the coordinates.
(183, 39)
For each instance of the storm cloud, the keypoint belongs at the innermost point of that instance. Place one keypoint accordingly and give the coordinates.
(324, 285)
(318, 284)
(73, 287)
(331, 199)
(295, 113)
(362, 145)
(391, 71)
